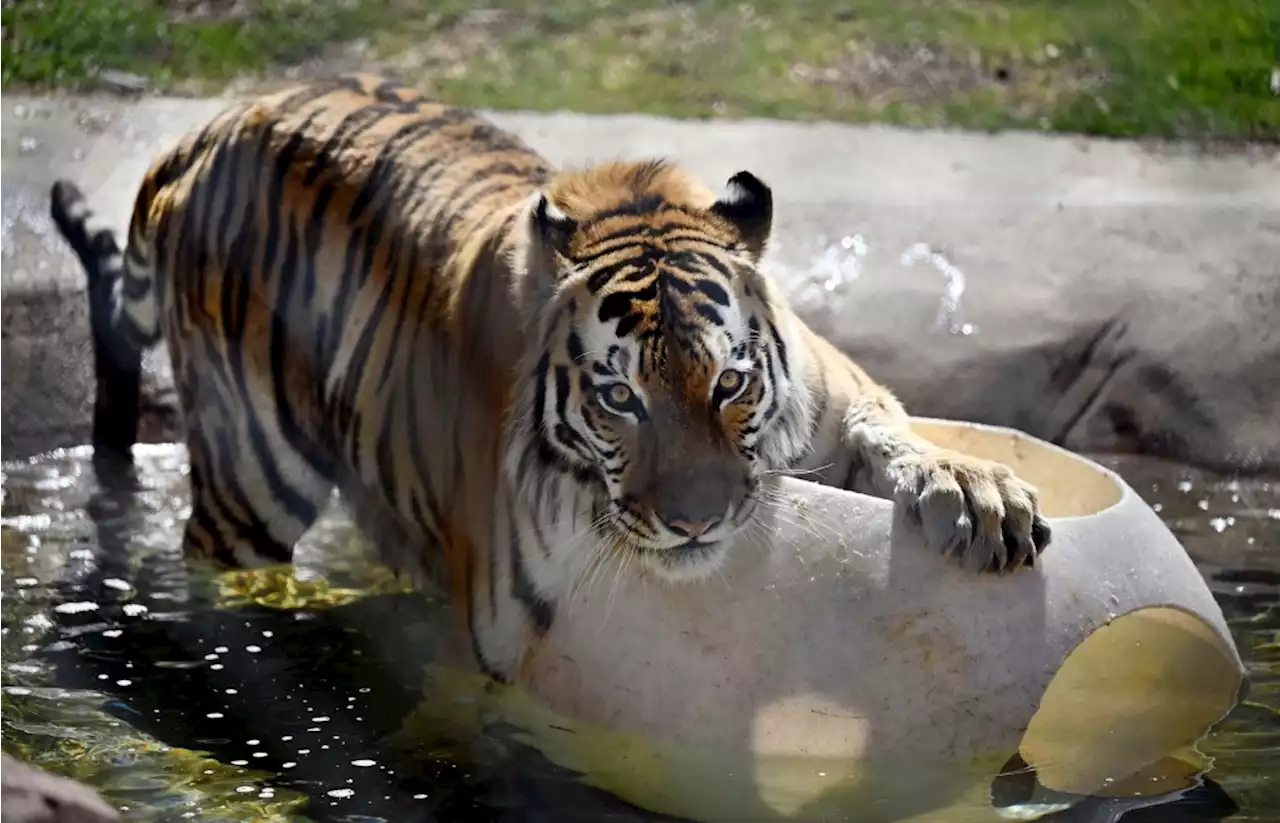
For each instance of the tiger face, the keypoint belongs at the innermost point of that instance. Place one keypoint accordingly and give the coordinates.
(664, 382)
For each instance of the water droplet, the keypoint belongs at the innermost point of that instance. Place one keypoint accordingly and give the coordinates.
(217, 667)
(75, 608)
(341, 793)
(364, 764)
(253, 649)
(25, 582)
(1203, 505)
(117, 584)
(1184, 486)
(244, 789)
(239, 762)
(210, 657)
(321, 719)
(259, 754)
(222, 650)
(124, 682)
(1218, 524)
(419, 797)
(289, 765)
(18, 690)
(28, 145)
(215, 715)
(134, 609)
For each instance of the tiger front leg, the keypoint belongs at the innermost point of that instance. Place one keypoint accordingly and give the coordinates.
(964, 506)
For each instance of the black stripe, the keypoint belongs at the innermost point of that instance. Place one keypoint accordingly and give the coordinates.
(773, 383)
(388, 92)
(713, 291)
(460, 210)
(397, 328)
(628, 324)
(491, 560)
(574, 345)
(384, 166)
(382, 453)
(538, 609)
(481, 662)
(431, 520)
(644, 260)
(252, 532)
(134, 288)
(276, 202)
(231, 204)
(646, 204)
(281, 341)
(307, 94)
(562, 392)
(708, 313)
(351, 127)
(341, 309)
(782, 349)
(633, 236)
(359, 361)
(540, 397)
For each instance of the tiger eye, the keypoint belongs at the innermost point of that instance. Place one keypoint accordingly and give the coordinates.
(730, 380)
(619, 395)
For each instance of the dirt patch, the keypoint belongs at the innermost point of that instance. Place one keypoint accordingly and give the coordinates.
(932, 74)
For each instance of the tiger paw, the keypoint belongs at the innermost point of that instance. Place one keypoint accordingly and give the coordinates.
(974, 509)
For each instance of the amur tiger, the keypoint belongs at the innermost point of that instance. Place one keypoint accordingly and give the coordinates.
(506, 370)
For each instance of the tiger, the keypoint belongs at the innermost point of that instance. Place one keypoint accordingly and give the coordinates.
(504, 370)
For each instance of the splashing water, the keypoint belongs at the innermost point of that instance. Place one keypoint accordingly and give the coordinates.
(955, 287)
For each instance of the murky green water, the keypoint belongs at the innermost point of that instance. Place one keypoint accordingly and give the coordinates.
(275, 698)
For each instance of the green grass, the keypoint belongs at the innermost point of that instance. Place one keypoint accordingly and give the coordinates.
(1167, 68)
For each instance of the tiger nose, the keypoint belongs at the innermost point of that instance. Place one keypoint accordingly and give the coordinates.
(691, 528)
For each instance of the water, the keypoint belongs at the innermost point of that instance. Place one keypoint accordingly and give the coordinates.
(253, 699)
(276, 697)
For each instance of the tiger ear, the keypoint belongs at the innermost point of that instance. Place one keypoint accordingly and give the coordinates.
(747, 203)
(552, 226)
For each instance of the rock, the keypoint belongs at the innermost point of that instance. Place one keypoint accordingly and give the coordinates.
(34, 796)
(123, 82)
(1102, 295)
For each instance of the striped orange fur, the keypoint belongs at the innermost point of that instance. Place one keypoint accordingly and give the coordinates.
(510, 372)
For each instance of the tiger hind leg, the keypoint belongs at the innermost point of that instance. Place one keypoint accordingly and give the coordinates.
(253, 495)
(248, 508)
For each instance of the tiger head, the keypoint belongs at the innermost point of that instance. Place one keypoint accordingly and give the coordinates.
(664, 378)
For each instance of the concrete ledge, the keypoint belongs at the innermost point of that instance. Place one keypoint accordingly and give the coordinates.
(1098, 294)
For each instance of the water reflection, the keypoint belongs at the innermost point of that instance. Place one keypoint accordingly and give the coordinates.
(276, 696)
